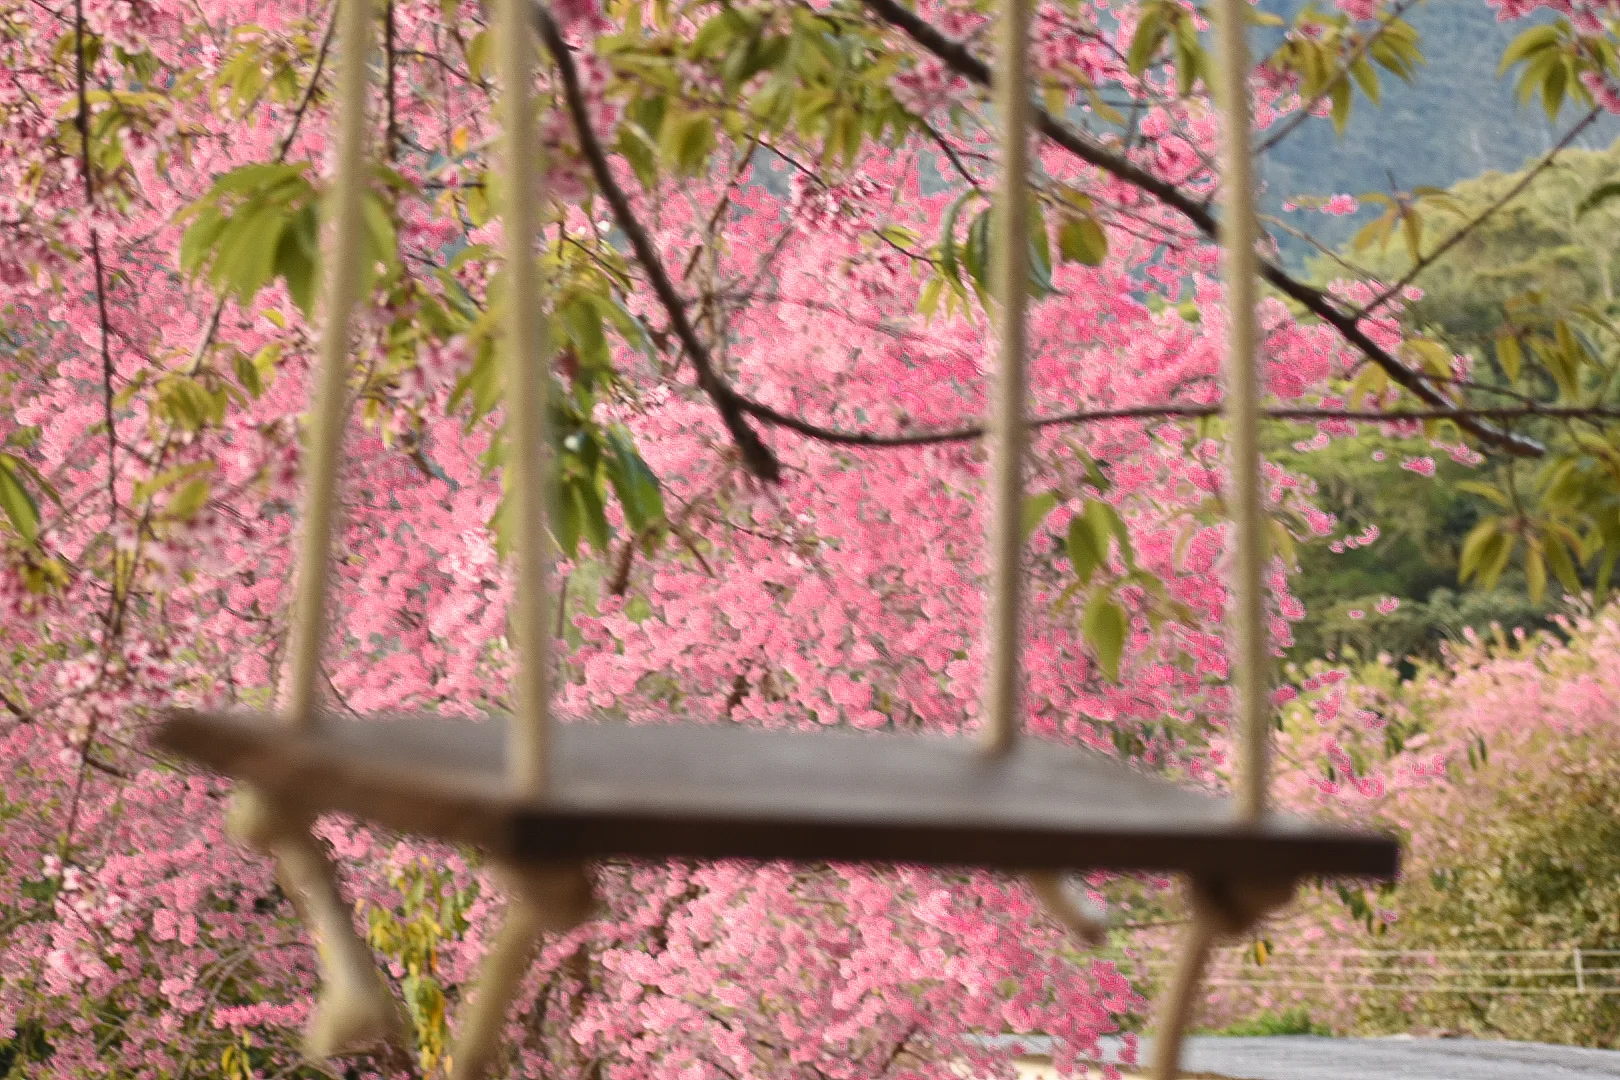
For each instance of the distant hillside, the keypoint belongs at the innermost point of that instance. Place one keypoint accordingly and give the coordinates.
(1457, 120)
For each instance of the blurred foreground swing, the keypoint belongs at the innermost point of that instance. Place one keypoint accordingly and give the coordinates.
(543, 799)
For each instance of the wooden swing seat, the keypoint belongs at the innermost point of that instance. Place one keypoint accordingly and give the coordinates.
(726, 791)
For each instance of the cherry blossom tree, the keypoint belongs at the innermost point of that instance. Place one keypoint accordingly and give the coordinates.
(765, 252)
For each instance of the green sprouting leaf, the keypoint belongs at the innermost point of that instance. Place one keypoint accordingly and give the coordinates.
(1563, 566)
(1036, 508)
(18, 504)
(1598, 196)
(1084, 555)
(1477, 487)
(1082, 240)
(1510, 354)
(976, 256)
(1104, 626)
(1535, 573)
(1475, 545)
(189, 499)
(1527, 44)
(1150, 33)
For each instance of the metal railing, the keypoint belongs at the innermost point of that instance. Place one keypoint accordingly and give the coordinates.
(1576, 970)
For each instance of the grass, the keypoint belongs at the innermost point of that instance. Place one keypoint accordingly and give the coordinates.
(1290, 1022)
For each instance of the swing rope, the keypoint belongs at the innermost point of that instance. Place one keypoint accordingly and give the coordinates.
(543, 897)
(1225, 909)
(356, 1010)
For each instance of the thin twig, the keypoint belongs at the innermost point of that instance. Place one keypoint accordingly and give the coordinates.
(83, 122)
(392, 144)
(309, 92)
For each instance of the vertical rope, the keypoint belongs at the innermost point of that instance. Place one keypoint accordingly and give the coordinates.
(527, 379)
(1177, 1009)
(329, 405)
(355, 1011)
(1238, 233)
(1007, 410)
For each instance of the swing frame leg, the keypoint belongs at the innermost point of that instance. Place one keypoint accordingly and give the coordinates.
(550, 898)
(1222, 910)
(356, 1011)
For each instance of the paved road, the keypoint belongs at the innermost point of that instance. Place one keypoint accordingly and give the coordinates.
(1305, 1057)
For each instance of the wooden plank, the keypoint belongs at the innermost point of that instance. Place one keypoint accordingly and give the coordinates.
(727, 791)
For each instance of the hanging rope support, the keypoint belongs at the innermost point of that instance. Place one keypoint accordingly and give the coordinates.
(1007, 434)
(356, 1011)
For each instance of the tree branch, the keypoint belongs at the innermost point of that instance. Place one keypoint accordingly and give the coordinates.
(846, 437)
(756, 455)
(83, 123)
(959, 59)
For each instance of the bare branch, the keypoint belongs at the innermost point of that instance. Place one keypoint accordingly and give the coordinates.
(846, 437)
(756, 455)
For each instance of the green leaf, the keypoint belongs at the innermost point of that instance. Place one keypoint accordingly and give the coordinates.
(1495, 559)
(296, 259)
(977, 254)
(687, 140)
(1082, 240)
(1104, 627)
(947, 239)
(1563, 567)
(1510, 354)
(1341, 97)
(1535, 574)
(18, 505)
(1150, 32)
(1477, 487)
(1036, 508)
(189, 499)
(640, 152)
(1527, 44)
(1475, 545)
(1106, 523)
(635, 483)
(1599, 195)
(1084, 555)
